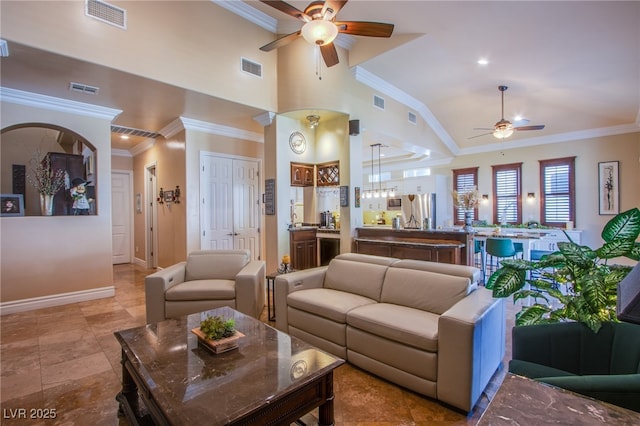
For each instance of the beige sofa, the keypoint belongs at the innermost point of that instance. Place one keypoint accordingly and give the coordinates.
(423, 325)
(208, 279)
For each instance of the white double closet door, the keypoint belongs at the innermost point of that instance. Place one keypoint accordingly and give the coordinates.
(230, 204)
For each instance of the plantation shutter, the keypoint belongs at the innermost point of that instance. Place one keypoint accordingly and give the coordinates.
(557, 186)
(464, 180)
(507, 187)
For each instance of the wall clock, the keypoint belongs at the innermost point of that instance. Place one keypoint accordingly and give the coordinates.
(297, 142)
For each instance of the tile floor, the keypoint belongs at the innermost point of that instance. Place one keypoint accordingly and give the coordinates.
(65, 362)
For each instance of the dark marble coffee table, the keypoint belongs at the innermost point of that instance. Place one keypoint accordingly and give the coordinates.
(522, 401)
(272, 378)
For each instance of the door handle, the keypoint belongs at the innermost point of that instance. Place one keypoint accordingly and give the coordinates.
(230, 234)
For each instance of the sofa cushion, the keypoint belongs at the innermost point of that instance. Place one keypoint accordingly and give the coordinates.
(222, 264)
(327, 303)
(405, 325)
(202, 290)
(427, 291)
(474, 274)
(361, 278)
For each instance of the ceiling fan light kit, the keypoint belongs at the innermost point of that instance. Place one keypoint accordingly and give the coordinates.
(503, 128)
(321, 29)
(319, 32)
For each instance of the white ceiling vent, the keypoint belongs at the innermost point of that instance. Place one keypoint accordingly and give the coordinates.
(83, 88)
(251, 67)
(378, 102)
(130, 131)
(413, 118)
(106, 12)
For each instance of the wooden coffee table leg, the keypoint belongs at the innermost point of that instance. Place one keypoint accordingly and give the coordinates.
(325, 411)
(128, 396)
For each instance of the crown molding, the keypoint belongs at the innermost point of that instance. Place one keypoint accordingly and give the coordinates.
(57, 104)
(172, 128)
(249, 13)
(221, 130)
(121, 153)
(376, 83)
(265, 119)
(143, 146)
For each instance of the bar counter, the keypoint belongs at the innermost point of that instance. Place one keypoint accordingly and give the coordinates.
(436, 246)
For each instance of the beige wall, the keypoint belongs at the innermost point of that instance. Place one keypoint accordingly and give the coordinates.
(622, 148)
(195, 45)
(44, 256)
(177, 162)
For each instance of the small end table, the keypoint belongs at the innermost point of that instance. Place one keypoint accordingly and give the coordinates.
(271, 293)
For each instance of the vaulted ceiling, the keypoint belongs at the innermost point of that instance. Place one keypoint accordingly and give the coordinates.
(573, 66)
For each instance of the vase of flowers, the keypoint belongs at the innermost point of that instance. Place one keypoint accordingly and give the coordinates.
(467, 201)
(46, 181)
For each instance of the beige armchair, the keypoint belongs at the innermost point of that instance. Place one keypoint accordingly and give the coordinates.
(208, 279)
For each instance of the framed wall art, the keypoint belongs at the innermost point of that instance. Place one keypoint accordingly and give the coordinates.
(608, 188)
(356, 197)
(11, 205)
(344, 196)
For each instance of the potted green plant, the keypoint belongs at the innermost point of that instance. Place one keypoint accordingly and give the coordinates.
(218, 334)
(589, 281)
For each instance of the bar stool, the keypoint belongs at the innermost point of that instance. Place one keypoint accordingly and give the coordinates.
(478, 254)
(498, 248)
(519, 247)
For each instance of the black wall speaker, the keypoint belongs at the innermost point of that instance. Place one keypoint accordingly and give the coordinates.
(354, 127)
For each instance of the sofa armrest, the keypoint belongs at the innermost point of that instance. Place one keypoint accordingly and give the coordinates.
(250, 289)
(471, 345)
(294, 281)
(156, 284)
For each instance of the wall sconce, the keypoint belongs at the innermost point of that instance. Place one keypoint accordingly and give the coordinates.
(176, 195)
(531, 197)
(314, 120)
(485, 198)
(161, 196)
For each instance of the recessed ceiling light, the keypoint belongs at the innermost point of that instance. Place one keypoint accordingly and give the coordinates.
(483, 61)
(125, 137)
(517, 118)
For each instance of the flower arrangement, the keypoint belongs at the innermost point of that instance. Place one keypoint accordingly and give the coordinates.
(467, 200)
(44, 179)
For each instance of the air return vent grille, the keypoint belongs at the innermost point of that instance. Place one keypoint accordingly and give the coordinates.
(251, 67)
(83, 88)
(413, 119)
(106, 12)
(378, 102)
(129, 131)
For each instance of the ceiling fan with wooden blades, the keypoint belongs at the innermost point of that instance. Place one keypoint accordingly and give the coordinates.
(504, 128)
(321, 28)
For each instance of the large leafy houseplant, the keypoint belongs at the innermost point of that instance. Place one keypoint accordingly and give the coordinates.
(589, 281)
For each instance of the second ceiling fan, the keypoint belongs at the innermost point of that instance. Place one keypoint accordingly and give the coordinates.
(503, 128)
(321, 28)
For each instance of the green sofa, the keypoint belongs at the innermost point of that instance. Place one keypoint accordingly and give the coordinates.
(604, 366)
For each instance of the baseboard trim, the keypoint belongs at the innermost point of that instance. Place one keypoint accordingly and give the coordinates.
(31, 304)
(140, 262)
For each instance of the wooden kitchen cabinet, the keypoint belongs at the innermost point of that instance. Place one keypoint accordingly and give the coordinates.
(301, 174)
(303, 248)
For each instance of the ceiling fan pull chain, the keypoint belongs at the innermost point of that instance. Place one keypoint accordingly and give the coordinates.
(318, 63)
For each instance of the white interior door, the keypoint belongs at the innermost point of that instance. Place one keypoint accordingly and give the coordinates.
(246, 206)
(121, 220)
(216, 214)
(230, 208)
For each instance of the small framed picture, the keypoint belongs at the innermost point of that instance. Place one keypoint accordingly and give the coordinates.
(608, 188)
(12, 204)
(344, 196)
(168, 196)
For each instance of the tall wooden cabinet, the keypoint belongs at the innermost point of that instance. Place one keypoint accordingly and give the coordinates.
(74, 166)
